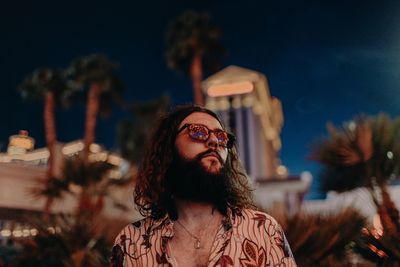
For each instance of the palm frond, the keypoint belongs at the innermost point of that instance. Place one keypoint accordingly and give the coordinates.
(383, 250)
(68, 244)
(189, 34)
(95, 69)
(52, 187)
(36, 84)
(366, 148)
(78, 172)
(366, 152)
(322, 240)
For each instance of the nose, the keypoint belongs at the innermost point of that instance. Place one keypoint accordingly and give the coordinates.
(212, 141)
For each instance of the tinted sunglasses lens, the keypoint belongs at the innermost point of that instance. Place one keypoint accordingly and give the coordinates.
(222, 137)
(201, 133)
(198, 132)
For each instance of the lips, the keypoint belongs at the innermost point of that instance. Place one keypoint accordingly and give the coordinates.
(214, 155)
(210, 153)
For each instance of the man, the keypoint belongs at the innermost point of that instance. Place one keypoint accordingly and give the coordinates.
(197, 204)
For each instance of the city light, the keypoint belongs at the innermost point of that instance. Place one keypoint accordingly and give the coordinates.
(230, 89)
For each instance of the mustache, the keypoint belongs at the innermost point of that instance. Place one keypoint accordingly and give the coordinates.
(208, 153)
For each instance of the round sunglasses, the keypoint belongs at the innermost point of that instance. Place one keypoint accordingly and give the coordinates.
(200, 132)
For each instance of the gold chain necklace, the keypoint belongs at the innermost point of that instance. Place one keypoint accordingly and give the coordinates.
(197, 243)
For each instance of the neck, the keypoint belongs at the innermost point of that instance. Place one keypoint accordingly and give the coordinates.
(194, 212)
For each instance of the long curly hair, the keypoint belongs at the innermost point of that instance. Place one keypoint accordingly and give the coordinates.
(151, 196)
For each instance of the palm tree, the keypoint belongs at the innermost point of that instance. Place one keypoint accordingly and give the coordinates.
(81, 238)
(69, 244)
(192, 44)
(365, 152)
(322, 239)
(133, 134)
(97, 75)
(49, 86)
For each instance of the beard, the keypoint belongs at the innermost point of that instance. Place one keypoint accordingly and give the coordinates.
(190, 180)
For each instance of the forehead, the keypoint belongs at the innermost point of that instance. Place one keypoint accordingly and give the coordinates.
(202, 118)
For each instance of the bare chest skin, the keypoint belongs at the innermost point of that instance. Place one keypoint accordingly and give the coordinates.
(196, 220)
(182, 247)
(186, 255)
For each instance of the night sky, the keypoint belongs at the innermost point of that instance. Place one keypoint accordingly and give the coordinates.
(325, 60)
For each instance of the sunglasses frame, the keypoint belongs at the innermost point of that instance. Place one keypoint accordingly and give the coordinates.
(231, 137)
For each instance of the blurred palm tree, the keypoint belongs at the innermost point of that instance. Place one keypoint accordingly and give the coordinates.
(90, 181)
(365, 152)
(322, 240)
(134, 133)
(81, 238)
(66, 245)
(193, 46)
(96, 75)
(78, 243)
(383, 250)
(47, 85)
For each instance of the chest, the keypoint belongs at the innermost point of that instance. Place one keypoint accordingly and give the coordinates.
(186, 257)
(185, 253)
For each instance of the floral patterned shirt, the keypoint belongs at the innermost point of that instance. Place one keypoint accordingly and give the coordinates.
(246, 238)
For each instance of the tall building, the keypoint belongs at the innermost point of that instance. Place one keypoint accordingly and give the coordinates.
(242, 99)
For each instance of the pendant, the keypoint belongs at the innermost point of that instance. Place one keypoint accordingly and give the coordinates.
(197, 244)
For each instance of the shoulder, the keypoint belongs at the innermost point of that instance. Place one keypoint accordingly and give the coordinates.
(258, 220)
(125, 239)
(268, 227)
(256, 213)
(258, 216)
(131, 230)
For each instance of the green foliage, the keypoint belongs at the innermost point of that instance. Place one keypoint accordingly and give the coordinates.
(190, 34)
